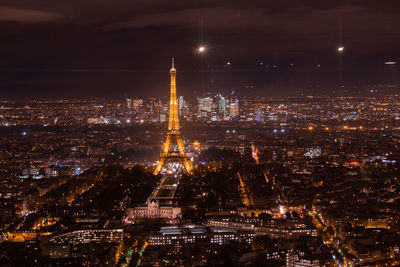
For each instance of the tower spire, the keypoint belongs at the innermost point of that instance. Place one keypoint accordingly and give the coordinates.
(173, 70)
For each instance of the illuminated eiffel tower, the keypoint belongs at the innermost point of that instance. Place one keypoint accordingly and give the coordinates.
(171, 152)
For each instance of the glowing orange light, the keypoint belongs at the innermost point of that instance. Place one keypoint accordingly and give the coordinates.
(196, 145)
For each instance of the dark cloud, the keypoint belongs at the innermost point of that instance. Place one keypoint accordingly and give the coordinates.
(26, 15)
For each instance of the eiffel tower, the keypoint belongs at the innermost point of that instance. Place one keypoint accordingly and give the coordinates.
(171, 152)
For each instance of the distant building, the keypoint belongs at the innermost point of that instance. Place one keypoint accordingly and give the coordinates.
(259, 115)
(276, 228)
(294, 259)
(137, 104)
(163, 118)
(222, 107)
(153, 210)
(129, 103)
(66, 245)
(313, 152)
(195, 233)
(89, 236)
(234, 109)
(181, 105)
(206, 106)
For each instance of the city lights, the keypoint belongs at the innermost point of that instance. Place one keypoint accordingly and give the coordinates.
(223, 134)
(240, 126)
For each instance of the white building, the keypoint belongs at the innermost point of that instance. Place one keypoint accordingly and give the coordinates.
(206, 107)
(153, 210)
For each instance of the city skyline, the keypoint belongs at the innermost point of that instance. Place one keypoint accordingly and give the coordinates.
(273, 140)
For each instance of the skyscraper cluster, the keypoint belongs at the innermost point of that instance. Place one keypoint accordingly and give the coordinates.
(218, 108)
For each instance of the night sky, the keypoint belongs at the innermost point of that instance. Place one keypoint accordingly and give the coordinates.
(98, 48)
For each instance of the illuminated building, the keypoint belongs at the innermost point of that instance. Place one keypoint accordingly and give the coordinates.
(193, 233)
(205, 106)
(259, 115)
(129, 103)
(313, 152)
(275, 228)
(169, 151)
(222, 107)
(293, 259)
(234, 108)
(137, 103)
(60, 245)
(22, 236)
(182, 106)
(88, 236)
(152, 210)
(163, 118)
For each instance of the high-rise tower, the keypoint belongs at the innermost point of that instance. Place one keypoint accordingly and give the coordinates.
(173, 148)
